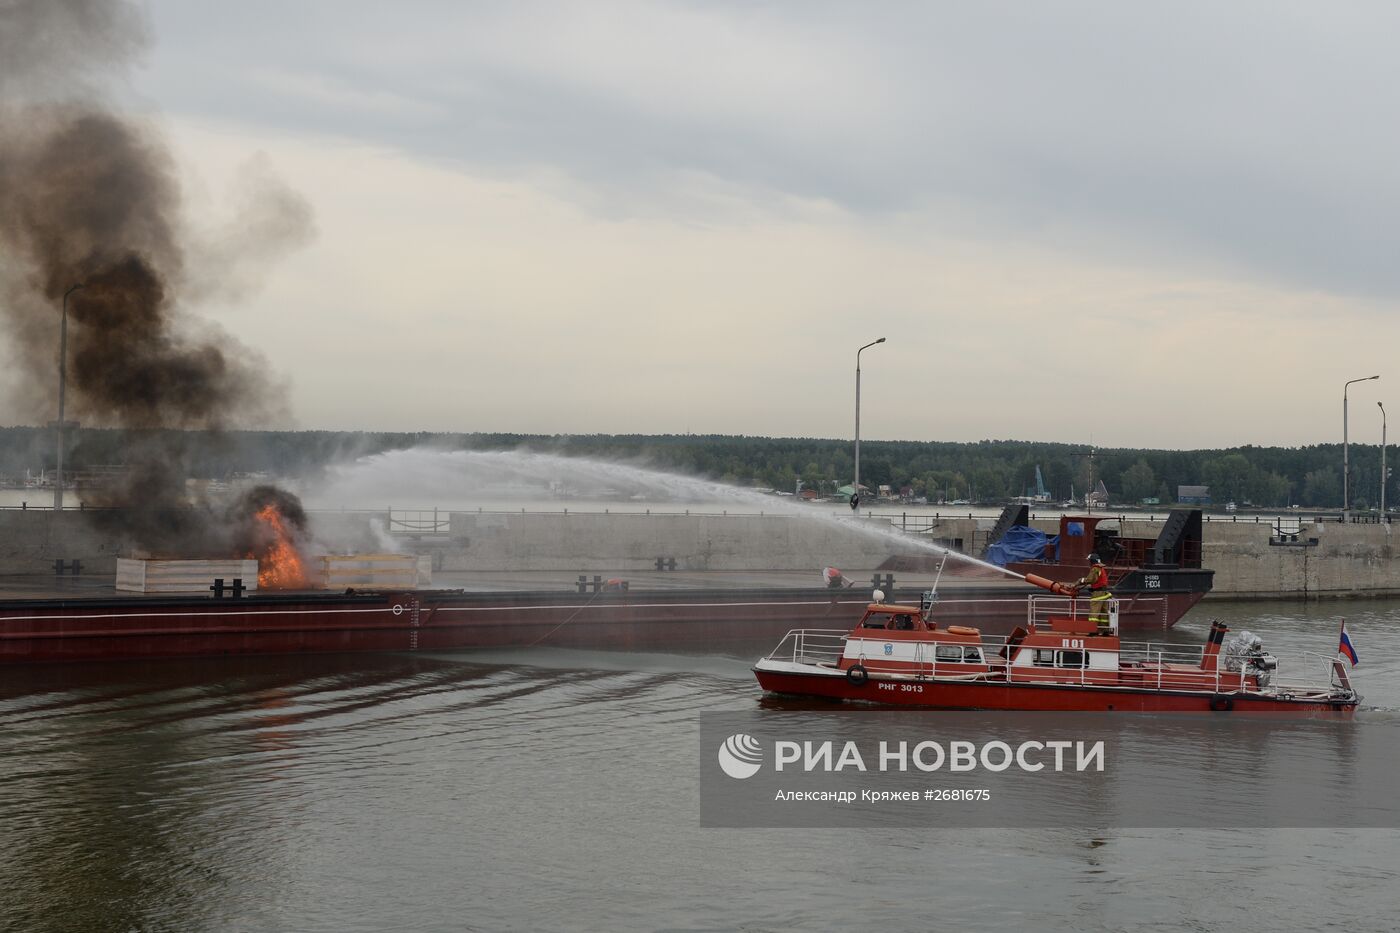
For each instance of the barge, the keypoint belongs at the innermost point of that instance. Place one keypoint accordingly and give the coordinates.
(1155, 582)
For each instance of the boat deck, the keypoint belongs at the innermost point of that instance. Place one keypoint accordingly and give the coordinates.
(48, 586)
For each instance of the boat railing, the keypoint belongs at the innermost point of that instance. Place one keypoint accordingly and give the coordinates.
(810, 646)
(1168, 667)
(1156, 652)
(1158, 665)
(1041, 609)
(1318, 673)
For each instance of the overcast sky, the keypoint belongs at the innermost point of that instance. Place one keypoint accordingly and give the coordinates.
(1136, 225)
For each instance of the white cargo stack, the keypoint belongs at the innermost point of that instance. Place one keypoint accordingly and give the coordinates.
(137, 575)
(375, 570)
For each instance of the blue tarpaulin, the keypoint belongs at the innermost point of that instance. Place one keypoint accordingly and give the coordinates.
(1021, 543)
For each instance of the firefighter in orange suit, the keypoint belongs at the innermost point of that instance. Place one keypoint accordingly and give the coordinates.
(1096, 580)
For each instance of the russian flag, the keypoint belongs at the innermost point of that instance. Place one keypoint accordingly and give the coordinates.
(1345, 648)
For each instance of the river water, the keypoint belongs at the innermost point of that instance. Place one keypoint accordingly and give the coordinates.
(547, 789)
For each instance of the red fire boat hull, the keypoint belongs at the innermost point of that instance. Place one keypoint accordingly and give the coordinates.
(1031, 697)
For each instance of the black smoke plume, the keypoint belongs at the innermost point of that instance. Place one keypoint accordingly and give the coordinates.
(89, 196)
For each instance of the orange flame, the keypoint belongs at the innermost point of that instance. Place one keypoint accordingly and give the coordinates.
(280, 566)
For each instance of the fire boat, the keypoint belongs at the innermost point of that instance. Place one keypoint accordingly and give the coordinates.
(1062, 659)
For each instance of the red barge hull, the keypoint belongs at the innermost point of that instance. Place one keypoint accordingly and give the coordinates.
(83, 629)
(34, 631)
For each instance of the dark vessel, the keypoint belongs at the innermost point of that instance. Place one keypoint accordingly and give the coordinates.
(1156, 580)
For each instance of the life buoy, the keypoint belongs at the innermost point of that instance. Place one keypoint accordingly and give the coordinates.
(961, 630)
(1221, 704)
(857, 675)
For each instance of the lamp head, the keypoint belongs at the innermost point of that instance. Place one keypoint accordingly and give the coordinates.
(882, 340)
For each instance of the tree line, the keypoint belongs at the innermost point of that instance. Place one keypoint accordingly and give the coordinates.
(985, 471)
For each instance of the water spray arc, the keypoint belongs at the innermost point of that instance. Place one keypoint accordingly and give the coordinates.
(394, 474)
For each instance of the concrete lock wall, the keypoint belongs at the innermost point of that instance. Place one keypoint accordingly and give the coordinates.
(630, 541)
(32, 539)
(1347, 560)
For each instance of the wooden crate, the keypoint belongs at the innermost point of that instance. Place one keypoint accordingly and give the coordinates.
(137, 575)
(379, 571)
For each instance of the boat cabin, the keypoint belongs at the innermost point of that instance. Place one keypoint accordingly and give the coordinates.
(901, 639)
(893, 638)
(893, 618)
(1061, 643)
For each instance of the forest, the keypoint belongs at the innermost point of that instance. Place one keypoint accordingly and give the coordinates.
(986, 471)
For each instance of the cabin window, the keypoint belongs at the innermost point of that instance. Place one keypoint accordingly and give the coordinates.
(972, 655)
(948, 653)
(1044, 657)
(874, 622)
(1073, 659)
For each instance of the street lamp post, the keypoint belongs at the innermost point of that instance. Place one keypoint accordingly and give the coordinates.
(1346, 461)
(855, 487)
(1383, 473)
(62, 389)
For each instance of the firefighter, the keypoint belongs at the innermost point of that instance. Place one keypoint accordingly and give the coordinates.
(1096, 580)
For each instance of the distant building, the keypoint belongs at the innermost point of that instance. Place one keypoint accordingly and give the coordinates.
(1099, 497)
(1193, 495)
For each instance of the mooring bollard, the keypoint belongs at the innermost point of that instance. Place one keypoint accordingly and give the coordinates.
(235, 587)
(887, 584)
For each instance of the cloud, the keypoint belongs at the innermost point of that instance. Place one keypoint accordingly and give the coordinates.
(1249, 138)
(439, 300)
(684, 217)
